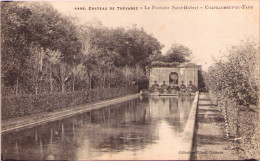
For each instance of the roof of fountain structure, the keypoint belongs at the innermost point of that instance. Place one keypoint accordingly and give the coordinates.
(160, 64)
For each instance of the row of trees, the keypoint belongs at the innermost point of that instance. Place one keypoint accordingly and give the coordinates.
(235, 81)
(236, 76)
(45, 52)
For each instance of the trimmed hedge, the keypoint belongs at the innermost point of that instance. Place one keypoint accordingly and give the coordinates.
(18, 106)
(253, 144)
(250, 138)
(243, 125)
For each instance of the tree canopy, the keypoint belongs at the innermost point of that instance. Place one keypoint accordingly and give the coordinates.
(177, 53)
(44, 51)
(237, 76)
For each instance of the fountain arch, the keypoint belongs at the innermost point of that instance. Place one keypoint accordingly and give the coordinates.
(173, 78)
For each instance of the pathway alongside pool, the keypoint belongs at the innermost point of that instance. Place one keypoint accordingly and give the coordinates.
(210, 141)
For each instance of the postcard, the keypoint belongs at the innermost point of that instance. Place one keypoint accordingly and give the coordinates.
(130, 80)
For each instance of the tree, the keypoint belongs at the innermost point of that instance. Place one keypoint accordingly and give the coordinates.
(52, 59)
(49, 29)
(105, 49)
(90, 63)
(105, 62)
(139, 47)
(237, 77)
(78, 73)
(34, 68)
(235, 81)
(14, 46)
(31, 24)
(177, 53)
(39, 44)
(62, 73)
(201, 81)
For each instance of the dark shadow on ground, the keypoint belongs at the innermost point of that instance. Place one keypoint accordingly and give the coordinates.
(207, 110)
(209, 118)
(207, 104)
(209, 140)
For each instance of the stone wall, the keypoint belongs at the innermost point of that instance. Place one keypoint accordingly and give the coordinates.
(161, 74)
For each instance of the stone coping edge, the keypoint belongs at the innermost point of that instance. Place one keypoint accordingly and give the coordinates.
(189, 131)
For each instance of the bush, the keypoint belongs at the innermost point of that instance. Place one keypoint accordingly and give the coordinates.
(253, 145)
(235, 83)
(18, 106)
(237, 76)
(250, 136)
(243, 124)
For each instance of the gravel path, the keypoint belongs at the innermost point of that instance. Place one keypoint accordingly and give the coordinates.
(210, 142)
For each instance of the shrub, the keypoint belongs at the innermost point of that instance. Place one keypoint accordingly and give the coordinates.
(237, 76)
(18, 106)
(235, 82)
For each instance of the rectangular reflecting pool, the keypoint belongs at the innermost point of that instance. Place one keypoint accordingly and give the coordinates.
(142, 128)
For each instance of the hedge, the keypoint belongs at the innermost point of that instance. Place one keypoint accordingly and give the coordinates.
(17, 106)
(243, 125)
(253, 144)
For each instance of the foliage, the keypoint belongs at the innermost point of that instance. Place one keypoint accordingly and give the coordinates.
(164, 64)
(177, 53)
(140, 46)
(34, 68)
(52, 30)
(130, 47)
(62, 74)
(44, 51)
(235, 81)
(14, 47)
(26, 27)
(237, 77)
(201, 81)
(253, 144)
(46, 103)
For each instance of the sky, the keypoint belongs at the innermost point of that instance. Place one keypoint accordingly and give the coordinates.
(207, 32)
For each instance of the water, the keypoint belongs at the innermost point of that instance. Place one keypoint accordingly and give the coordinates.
(142, 128)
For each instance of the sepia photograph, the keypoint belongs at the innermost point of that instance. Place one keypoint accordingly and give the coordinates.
(130, 80)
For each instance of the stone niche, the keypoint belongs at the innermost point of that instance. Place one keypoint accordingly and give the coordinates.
(183, 72)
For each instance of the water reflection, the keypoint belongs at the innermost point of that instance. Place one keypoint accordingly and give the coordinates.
(134, 129)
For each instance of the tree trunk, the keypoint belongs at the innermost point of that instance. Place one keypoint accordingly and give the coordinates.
(226, 121)
(36, 90)
(104, 80)
(90, 82)
(62, 87)
(109, 81)
(238, 120)
(126, 74)
(51, 86)
(73, 83)
(17, 85)
(41, 61)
